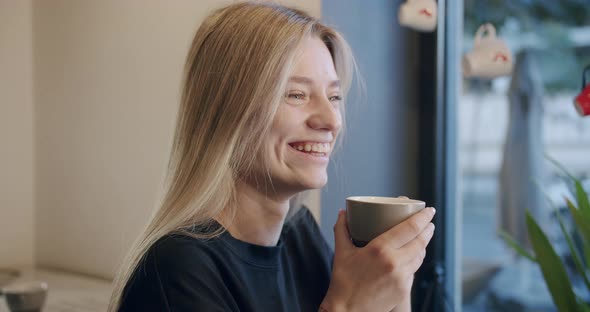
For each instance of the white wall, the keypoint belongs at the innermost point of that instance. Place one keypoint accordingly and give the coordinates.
(107, 82)
(16, 134)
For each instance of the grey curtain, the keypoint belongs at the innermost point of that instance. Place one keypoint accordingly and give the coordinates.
(522, 163)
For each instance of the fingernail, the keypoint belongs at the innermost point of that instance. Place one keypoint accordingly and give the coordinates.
(433, 211)
(340, 212)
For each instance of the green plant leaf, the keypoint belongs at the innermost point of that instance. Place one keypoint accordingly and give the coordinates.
(586, 250)
(583, 224)
(586, 243)
(574, 251)
(553, 269)
(583, 306)
(582, 197)
(516, 246)
(583, 227)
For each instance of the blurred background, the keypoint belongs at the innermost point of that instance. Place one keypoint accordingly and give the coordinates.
(89, 92)
(555, 37)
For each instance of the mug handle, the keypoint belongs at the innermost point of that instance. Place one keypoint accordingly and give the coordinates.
(489, 28)
(584, 74)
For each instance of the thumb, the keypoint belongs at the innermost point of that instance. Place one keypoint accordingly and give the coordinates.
(341, 237)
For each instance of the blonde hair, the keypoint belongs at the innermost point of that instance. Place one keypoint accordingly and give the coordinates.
(234, 79)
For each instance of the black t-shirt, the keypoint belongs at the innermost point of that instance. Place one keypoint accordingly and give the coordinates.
(181, 273)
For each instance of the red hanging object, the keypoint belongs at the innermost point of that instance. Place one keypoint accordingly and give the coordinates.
(582, 101)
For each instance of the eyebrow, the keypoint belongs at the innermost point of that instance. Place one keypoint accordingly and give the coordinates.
(309, 81)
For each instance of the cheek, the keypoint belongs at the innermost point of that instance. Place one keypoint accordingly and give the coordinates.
(275, 148)
(287, 124)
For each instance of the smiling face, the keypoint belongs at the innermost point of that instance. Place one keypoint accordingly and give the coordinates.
(306, 124)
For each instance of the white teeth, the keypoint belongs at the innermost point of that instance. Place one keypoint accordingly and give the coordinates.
(313, 147)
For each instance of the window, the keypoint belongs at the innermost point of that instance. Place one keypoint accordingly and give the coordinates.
(505, 127)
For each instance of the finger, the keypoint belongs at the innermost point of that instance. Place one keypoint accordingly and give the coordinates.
(417, 246)
(406, 231)
(341, 237)
(417, 262)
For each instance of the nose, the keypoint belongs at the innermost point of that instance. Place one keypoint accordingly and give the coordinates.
(325, 116)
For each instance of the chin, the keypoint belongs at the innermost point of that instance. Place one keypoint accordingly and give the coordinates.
(315, 182)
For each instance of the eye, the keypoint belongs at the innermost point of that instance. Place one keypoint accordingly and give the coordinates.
(295, 98)
(335, 98)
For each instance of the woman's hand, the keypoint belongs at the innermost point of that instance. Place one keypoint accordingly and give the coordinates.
(379, 276)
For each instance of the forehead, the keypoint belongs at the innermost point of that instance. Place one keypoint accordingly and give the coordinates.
(314, 60)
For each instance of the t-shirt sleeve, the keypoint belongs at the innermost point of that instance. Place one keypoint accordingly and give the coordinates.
(176, 275)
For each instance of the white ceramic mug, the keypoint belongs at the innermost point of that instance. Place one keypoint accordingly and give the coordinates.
(490, 56)
(418, 14)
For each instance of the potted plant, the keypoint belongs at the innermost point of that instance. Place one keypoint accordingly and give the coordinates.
(544, 254)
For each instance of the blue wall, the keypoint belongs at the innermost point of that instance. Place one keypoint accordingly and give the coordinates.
(377, 156)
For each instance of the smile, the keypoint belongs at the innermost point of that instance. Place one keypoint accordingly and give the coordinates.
(312, 148)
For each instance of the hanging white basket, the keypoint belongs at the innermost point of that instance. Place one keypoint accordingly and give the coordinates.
(420, 15)
(490, 56)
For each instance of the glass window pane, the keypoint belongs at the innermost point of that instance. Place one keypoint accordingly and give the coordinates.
(506, 126)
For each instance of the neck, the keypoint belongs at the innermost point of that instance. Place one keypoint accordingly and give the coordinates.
(259, 218)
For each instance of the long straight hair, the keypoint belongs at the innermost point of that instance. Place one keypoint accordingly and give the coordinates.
(234, 79)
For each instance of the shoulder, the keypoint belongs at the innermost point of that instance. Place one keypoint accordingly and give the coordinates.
(180, 251)
(177, 272)
(185, 260)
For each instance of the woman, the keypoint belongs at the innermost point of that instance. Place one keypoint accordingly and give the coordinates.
(261, 109)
